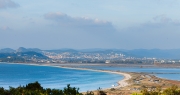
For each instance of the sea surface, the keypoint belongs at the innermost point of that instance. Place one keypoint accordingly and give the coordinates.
(15, 75)
(167, 73)
(55, 77)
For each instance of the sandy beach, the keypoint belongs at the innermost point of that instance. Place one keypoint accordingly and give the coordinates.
(127, 85)
(121, 83)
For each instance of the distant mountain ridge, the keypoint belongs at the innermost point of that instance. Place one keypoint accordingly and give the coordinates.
(139, 53)
(20, 49)
(7, 50)
(29, 54)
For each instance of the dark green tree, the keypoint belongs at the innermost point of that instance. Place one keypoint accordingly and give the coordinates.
(34, 86)
(71, 90)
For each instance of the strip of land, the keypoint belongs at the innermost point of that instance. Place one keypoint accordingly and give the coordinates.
(121, 83)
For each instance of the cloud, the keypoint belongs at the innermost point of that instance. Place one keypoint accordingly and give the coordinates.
(82, 23)
(160, 32)
(8, 4)
(160, 22)
(163, 19)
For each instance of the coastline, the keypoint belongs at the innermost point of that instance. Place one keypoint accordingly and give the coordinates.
(121, 83)
(133, 82)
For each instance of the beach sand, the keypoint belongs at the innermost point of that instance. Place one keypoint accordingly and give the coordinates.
(121, 83)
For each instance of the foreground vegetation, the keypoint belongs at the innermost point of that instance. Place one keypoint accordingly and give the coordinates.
(173, 90)
(36, 89)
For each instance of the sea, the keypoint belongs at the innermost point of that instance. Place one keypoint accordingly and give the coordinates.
(52, 77)
(161, 72)
(15, 75)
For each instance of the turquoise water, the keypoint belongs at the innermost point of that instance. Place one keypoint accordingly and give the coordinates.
(54, 77)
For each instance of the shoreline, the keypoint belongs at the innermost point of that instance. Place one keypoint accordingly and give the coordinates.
(132, 82)
(121, 83)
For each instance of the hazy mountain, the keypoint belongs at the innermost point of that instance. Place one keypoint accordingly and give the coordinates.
(29, 54)
(22, 49)
(62, 50)
(156, 53)
(6, 50)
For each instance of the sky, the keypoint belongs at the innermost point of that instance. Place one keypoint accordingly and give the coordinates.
(84, 24)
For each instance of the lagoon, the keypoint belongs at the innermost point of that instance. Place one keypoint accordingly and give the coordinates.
(167, 73)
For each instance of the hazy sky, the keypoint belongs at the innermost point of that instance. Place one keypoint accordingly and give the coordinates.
(81, 24)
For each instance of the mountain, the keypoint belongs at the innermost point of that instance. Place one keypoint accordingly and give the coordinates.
(6, 55)
(7, 50)
(138, 53)
(27, 55)
(22, 49)
(22, 53)
(62, 50)
(31, 54)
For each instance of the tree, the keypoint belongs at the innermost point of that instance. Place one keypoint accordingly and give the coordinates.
(100, 92)
(71, 90)
(34, 86)
(89, 93)
(36, 89)
(173, 90)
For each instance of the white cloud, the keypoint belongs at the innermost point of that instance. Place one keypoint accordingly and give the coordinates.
(82, 23)
(8, 3)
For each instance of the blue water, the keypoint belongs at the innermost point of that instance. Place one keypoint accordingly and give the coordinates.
(144, 70)
(53, 77)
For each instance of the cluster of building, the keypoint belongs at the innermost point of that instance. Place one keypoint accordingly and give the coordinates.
(102, 57)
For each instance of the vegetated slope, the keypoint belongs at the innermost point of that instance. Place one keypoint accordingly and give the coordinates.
(29, 54)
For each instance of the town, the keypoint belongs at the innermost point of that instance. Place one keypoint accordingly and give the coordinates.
(24, 55)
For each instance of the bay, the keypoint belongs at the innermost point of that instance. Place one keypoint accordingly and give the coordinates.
(53, 77)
